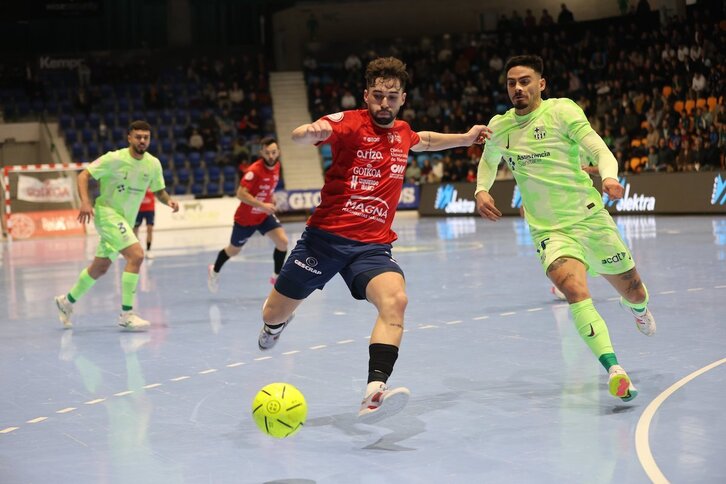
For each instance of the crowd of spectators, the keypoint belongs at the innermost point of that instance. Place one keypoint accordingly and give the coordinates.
(652, 87)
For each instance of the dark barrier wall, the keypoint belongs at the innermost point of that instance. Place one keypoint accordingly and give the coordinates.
(652, 193)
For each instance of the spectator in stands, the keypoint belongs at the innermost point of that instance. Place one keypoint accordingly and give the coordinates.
(517, 22)
(643, 8)
(426, 171)
(565, 16)
(529, 21)
(413, 172)
(711, 159)
(622, 141)
(698, 83)
(666, 157)
(652, 163)
(348, 101)
(236, 95)
(196, 142)
(546, 20)
(686, 158)
(651, 139)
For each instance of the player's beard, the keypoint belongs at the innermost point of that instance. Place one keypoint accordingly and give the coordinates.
(139, 151)
(383, 117)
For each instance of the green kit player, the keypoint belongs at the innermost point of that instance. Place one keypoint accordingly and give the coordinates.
(124, 176)
(573, 233)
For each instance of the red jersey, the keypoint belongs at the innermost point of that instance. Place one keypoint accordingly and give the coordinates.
(363, 186)
(260, 181)
(147, 204)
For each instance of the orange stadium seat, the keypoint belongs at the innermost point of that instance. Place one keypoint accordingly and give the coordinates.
(678, 106)
(701, 102)
(667, 90)
(644, 124)
(635, 143)
(635, 163)
(690, 104)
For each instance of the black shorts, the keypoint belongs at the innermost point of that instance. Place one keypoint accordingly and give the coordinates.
(241, 233)
(146, 215)
(320, 255)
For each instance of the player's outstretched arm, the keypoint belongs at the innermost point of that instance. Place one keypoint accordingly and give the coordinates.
(434, 141)
(312, 133)
(85, 214)
(164, 197)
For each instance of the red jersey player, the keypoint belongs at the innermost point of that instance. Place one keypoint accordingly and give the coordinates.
(146, 212)
(350, 231)
(256, 212)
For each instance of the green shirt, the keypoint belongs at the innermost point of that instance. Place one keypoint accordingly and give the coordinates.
(123, 181)
(542, 150)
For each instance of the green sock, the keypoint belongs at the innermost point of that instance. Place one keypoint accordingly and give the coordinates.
(129, 281)
(83, 284)
(641, 306)
(593, 331)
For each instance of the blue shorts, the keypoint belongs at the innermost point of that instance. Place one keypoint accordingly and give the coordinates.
(320, 255)
(241, 233)
(147, 215)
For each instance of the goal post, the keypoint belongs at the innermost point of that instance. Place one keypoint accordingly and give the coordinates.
(41, 200)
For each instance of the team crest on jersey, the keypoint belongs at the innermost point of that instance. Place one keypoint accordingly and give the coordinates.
(539, 133)
(335, 116)
(393, 138)
(249, 176)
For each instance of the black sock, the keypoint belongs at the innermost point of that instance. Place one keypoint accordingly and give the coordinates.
(222, 257)
(279, 257)
(381, 361)
(148, 246)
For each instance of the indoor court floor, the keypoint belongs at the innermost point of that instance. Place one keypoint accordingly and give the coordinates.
(502, 388)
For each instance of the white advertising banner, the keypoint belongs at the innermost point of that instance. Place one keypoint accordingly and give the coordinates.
(56, 190)
(211, 212)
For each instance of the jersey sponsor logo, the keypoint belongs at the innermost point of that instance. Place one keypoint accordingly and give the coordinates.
(718, 195)
(335, 116)
(539, 133)
(249, 176)
(369, 155)
(367, 170)
(365, 183)
(372, 208)
(619, 257)
(531, 158)
(398, 169)
(371, 139)
(307, 267)
(630, 203)
(304, 200)
(447, 199)
(393, 138)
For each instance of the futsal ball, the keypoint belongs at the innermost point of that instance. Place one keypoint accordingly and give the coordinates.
(279, 410)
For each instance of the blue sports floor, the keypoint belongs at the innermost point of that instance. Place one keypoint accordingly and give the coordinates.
(503, 390)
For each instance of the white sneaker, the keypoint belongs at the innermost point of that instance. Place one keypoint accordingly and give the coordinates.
(212, 279)
(131, 321)
(645, 322)
(267, 339)
(65, 309)
(557, 293)
(382, 402)
(620, 385)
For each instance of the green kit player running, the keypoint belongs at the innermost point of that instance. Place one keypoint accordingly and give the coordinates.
(572, 231)
(124, 176)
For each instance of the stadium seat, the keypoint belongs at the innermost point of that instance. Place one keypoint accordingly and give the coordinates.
(212, 188)
(93, 150)
(65, 121)
(701, 103)
(644, 124)
(110, 119)
(197, 189)
(230, 187)
(214, 174)
(210, 158)
(678, 106)
(180, 189)
(178, 131)
(167, 146)
(635, 143)
(690, 104)
(200, 175)
(179, 160)
(168, 177)
(108, 145)
(78, 151)
(230, 173)
(94, 119)
(183, 175)
(635, 164)
(164, 160)
(71, 136)
(667, 91)
(79, 120)
(195, 159)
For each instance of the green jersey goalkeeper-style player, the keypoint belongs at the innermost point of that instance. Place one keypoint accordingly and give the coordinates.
(124, 176)
(572, 231)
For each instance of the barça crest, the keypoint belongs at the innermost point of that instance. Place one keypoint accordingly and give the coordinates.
(539, 133)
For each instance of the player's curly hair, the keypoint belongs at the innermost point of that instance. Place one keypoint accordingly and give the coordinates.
(139, 125)
(386, 68)
(534, 62)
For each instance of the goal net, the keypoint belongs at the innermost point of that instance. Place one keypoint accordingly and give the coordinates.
(41, 200)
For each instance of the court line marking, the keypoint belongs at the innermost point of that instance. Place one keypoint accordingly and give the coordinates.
(427, 326)
(36, 420)
(642, 430)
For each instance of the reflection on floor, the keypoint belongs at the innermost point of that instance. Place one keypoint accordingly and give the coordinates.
(503, 389)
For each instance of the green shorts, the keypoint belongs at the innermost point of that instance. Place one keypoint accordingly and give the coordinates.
(115, 231)
(595, 241)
